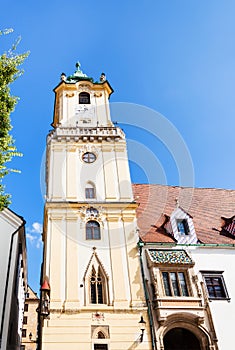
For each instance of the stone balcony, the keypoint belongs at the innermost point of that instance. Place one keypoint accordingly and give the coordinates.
(87, 134)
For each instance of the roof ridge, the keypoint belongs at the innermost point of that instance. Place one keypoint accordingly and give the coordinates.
(185, 187)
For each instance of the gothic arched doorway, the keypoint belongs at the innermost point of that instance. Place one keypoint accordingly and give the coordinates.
(181, 339)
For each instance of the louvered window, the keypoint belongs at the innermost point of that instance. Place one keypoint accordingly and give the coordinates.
(84, 98)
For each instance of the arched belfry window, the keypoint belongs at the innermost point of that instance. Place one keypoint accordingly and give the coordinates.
(84, 98)
(90, 191)
(92, 230)
(97, 282)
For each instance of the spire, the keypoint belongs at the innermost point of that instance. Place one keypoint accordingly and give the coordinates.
(45, 286)
(78, 75)
(177, 202)
(78, 72)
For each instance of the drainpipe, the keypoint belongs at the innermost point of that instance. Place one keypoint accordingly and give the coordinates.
(150, 316)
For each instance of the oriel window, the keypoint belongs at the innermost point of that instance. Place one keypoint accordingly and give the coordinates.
(175, 284)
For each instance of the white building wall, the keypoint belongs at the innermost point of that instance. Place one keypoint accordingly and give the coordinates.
(11, 235)
(223, 311)
(6, 230)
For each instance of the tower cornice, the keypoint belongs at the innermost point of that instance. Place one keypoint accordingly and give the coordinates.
(77, 205)
(64, 86)
(87, 134)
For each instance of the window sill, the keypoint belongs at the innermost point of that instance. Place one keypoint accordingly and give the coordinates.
(97, 306)
(219, 299)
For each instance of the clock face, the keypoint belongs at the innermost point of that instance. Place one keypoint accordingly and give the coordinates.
(85, 115)
(84, 110)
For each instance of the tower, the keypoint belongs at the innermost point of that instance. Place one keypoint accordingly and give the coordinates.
(92, 293)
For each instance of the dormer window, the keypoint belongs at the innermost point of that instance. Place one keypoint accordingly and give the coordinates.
(228, 227)
(84, 98)
(182, 226)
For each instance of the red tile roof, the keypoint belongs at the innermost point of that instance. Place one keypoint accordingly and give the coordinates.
(205, 205)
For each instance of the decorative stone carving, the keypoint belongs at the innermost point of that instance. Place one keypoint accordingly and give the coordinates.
(84, 87)
(97, 94)
(69, 94)
(88, 148)
(91, 213)
(98, 316)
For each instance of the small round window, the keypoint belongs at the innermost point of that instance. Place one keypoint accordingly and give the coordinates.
(89, 157)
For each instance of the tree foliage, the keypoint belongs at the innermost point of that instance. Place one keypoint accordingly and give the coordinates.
(9, 72)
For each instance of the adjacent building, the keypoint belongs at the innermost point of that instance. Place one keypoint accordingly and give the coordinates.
(187, 247)
(13, 277)
(30, 321)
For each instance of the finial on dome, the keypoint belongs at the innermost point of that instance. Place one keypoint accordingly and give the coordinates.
(78, 73)
(177, 202)
(63, 76)
(78, 65)
(102, 77)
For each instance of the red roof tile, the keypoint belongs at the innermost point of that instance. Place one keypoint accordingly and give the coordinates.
(205, 205)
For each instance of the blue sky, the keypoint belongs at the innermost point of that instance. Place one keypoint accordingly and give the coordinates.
(175, 57)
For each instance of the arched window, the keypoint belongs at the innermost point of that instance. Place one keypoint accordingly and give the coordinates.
(90, 191)
(96, 285)
(100, 335)
(84, 98)
(92, 230)
(97, 281)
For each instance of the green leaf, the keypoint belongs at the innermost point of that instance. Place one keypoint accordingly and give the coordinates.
(10, 70)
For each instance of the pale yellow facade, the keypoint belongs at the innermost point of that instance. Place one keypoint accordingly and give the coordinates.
(30, 321)
(90, 235)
